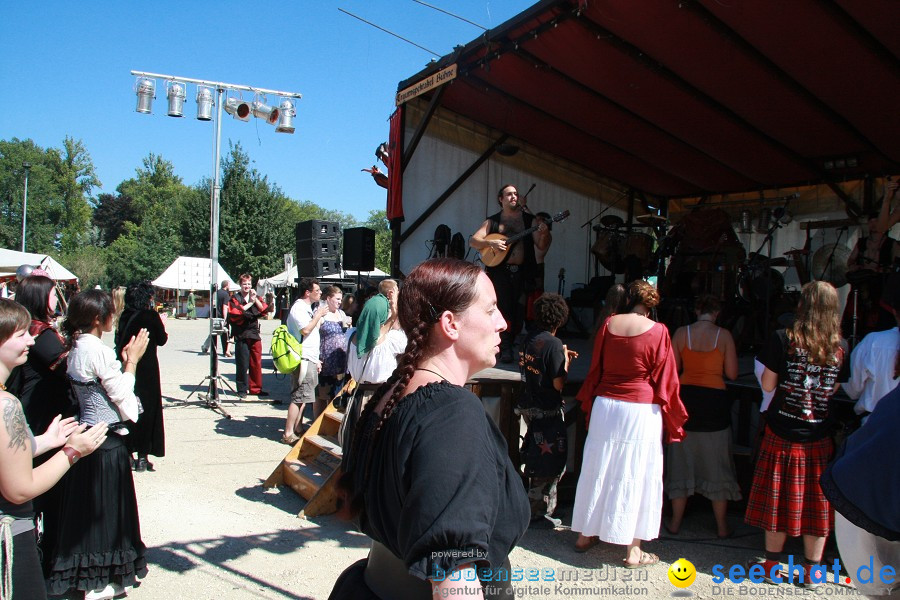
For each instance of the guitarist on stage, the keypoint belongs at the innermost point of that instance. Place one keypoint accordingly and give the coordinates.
(514, 276)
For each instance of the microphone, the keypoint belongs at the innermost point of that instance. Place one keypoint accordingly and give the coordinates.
(523, 204)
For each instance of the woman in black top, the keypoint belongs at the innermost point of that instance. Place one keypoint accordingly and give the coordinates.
(147, 436)
(427, 472)
(41, 384)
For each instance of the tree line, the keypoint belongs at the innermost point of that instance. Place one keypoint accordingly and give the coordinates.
(154, 217)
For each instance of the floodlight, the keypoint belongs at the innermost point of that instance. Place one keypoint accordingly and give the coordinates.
(205, 103)
(175, 93)
(146, 93)
(237, 108)
(263, 111)
(287, 114)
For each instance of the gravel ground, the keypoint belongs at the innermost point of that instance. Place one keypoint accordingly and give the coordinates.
(213, 532)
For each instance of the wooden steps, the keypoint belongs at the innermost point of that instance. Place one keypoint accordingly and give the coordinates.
(311, 465)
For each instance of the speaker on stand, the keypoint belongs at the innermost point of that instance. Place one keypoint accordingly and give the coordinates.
(359, 250)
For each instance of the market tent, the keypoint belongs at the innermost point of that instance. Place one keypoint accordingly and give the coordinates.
(10, 260)
(189, 273)
(289, 278)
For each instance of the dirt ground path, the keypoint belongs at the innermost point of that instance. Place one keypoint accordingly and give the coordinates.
(212, 532)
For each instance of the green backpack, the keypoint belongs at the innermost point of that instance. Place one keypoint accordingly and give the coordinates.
(286, 350)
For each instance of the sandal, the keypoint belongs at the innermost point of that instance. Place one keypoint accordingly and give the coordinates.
(290, 440)
(647, 559)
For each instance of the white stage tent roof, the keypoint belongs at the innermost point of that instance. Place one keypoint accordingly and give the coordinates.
(189, 273)
(10, 260)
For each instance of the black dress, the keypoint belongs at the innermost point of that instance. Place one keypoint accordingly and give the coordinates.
(440, 490)
(147, 436)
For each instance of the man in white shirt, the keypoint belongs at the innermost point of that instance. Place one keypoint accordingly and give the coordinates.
(303, 323)
(873, 363)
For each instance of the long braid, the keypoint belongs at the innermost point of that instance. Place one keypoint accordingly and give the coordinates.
(362, 437)
(432, 288)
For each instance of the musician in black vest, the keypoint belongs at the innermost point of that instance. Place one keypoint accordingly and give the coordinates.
(514, 275)
(872, 259)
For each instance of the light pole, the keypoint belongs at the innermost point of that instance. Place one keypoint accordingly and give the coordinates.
(283, 116)
(27, 167)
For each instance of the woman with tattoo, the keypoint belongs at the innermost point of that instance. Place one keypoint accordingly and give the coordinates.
(19, 482)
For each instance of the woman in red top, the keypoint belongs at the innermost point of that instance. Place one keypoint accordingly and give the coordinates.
(633, 381)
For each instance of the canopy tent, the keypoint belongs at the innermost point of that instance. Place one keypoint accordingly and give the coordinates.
(289, 278)
(651, 106)
(680, 99)
(189, 273)
(10, 260)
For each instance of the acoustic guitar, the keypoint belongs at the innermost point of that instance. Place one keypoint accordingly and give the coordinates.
(492, 257)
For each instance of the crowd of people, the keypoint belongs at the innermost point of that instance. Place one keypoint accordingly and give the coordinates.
(425, 471)
(98, 413)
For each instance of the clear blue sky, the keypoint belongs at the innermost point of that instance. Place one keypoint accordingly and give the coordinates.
(65, 70)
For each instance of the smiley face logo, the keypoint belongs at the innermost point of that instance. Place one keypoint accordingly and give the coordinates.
(682, 573)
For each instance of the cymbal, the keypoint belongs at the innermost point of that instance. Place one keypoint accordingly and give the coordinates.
(829, 263)
(612, 221)
(651, 219)
(797, 252)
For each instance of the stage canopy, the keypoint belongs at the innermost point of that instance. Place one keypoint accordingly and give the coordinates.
(686, 98)
(188, 273)
(10, 260)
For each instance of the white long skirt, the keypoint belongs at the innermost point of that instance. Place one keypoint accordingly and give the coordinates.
(620, 490)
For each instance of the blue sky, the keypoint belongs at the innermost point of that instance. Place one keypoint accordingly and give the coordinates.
(65, 70)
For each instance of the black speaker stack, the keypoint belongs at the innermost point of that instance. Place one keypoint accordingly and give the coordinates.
(359, 249)
(317, 248)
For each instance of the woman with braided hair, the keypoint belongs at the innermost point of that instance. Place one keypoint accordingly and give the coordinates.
(427, 473)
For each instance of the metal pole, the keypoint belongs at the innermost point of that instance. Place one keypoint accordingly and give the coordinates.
(27, 167)
(214, 252)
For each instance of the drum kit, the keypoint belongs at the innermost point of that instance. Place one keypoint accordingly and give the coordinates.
(618, 248)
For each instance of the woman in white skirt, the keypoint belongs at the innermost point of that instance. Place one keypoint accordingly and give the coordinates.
(633, 381)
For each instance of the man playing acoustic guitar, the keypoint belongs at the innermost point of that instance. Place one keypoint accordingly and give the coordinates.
(514, 273)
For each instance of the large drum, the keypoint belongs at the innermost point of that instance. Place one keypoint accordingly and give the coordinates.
(613, 247)
(759, 284)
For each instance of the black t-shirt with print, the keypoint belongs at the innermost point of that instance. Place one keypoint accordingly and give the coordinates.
(801, 409)
(541, 360)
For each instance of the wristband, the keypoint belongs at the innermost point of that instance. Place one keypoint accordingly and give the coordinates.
(72, 454)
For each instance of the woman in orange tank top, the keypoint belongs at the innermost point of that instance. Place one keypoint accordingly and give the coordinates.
(702, 464)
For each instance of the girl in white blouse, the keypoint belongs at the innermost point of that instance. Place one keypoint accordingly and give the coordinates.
(96, 546)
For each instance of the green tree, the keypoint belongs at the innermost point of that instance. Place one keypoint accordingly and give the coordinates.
(152, 236)
(111, 212)
(73, 176)
(41, 229)
(257, 219)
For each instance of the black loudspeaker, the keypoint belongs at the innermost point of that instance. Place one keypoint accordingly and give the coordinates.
(317, 230)
(359, 249)
(318, 267)
(317, 248)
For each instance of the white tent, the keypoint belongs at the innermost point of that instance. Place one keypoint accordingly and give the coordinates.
(10, 260)
(289, 278)
(189, 273)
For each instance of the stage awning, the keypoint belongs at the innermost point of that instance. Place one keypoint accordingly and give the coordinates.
(691, 97)
(189, 273)
(10, 260)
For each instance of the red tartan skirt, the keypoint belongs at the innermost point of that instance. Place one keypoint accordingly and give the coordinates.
(786, 495)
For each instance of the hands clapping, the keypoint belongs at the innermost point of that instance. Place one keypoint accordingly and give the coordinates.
(134, 350)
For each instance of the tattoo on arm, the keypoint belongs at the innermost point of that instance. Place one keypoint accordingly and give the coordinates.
(14, 420)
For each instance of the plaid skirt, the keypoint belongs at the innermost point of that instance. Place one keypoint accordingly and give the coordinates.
(786, 495)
